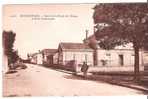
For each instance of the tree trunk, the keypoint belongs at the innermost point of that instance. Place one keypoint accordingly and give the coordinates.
(136, 65)
(95, 57)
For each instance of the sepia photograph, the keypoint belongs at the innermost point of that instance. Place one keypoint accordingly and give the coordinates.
(83, 49)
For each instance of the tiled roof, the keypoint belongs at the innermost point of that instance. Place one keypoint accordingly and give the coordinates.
(46, 51)
(69, 45)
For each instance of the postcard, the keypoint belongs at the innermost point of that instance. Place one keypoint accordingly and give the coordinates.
(83, 49)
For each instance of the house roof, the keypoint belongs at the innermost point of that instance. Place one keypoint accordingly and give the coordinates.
(69, 45)
(49, 51)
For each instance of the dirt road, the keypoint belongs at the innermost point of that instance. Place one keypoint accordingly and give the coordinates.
(40, 81)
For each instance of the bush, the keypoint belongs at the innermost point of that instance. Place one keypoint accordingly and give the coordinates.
(20, 65)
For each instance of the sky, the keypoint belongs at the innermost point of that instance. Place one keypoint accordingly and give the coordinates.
(40, 27)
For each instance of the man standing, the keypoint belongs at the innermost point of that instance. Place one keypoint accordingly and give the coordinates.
(84, 69)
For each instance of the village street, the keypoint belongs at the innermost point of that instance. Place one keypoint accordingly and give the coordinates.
(40, 81)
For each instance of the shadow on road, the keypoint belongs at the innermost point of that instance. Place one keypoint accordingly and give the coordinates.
(11, 72)
(14, 95)
(57, 68)
(75, 77)
(113, 81)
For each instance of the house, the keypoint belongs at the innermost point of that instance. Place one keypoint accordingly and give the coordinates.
(33, 58)
(74, 53)
(37, 58)
(48, 56)
(119, 59)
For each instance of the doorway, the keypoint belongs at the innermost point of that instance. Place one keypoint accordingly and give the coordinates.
(121, 60)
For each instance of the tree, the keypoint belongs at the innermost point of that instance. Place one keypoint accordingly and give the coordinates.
(14, 56)
(8, 41)
(122, 23)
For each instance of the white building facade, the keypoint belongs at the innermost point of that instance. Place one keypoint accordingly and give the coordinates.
(74, 55)
(118, 60)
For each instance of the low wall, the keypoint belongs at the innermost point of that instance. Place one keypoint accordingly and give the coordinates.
(113, 69)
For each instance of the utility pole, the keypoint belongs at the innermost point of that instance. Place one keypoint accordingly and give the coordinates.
(86, 45)
(86, 34)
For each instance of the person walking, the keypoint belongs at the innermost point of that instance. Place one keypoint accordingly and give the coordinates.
(84, 69)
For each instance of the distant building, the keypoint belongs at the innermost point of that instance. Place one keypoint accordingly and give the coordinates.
(33, 58)
(48, 56)
(37, 58)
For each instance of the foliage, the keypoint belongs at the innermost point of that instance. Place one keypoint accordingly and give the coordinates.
(123, 23)
(14, 56)
(126, 22)
(8, 41)
(104, 62)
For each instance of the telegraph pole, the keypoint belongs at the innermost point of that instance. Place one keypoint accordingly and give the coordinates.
(86, 45)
